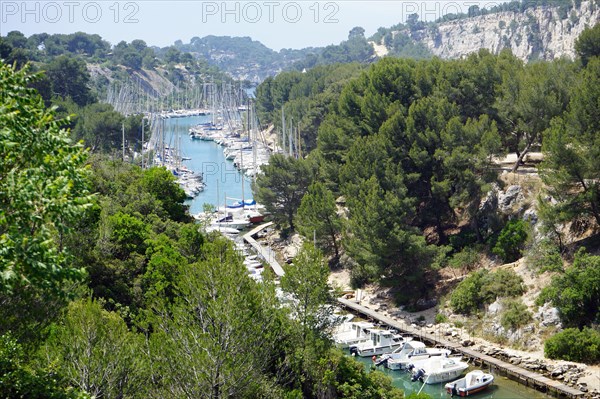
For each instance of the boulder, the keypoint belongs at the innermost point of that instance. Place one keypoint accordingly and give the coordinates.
(495, 307)
(508, 198)
(423, 304)
(559, 370)
(515, 360)
(548, 316)
(490, 202)
(530, 216)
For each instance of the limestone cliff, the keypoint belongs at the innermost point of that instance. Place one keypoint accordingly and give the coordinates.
(538, 33)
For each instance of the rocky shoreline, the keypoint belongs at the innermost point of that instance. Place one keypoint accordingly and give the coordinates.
(585, 378)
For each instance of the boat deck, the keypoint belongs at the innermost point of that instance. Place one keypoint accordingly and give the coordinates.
(528, 378)
(265, 252)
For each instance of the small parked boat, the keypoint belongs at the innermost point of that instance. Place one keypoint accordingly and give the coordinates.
(223, 230)
(351, 333)
(410, 352)
(437, 369)
(475, 381)
(380, 341)
(230, 221)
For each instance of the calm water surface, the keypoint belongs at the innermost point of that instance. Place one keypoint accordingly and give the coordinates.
(221, 178)
(503, 388)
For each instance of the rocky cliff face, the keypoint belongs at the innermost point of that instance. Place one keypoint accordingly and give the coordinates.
(542, 33)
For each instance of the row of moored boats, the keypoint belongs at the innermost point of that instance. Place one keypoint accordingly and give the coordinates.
(396, 352)
(247, 155)
(233, 218)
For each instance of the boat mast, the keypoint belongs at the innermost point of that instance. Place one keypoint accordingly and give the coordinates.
(298, 141)
(123, 139)
(142, 141)
(291, 138)
(282, 130)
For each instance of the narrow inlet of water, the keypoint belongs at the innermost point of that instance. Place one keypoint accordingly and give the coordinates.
(224, 183)
(502, 388)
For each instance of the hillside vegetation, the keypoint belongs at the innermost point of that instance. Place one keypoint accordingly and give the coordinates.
(403, 178)
(109, 289)
(130, 76)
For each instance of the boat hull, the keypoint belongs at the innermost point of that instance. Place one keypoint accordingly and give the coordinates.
(443, 377)
(256, 219)
(478, 381)
(364, 352)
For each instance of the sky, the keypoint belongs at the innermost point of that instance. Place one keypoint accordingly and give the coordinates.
(276, 23)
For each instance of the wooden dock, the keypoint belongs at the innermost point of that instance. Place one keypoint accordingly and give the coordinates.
(265, 252)
(524, 376)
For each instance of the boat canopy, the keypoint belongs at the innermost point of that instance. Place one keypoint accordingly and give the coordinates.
(240, 204)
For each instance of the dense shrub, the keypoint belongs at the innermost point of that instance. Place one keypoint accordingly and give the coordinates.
(544, 256)
(574, 345)
(511, 241)
(499, 284)
(576, 292)
(483, 287)
(465, 298)
(466, 259)
(515, 314)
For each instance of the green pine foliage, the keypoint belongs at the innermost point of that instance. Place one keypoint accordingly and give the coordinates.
(511, 241)
(576, 292)
(587, 45)
(281, 187)
(317, 218)
(515, 314)
(21, 379)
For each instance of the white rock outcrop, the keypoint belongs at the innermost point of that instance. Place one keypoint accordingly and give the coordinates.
(545, 33)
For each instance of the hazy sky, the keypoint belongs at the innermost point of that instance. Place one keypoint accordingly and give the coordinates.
(277, 24)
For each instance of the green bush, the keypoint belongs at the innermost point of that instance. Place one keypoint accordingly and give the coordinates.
(511, 241)
(574, 345)
(465, 259)
(440, 318)
(18, 379)
(465, 298)
(576, 292)
(499, 284)
(544, 256)
(515, 314)
(483, 287)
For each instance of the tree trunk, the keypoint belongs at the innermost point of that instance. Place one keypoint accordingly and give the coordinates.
(593, 204)
(291, 221)
(520, 157)
(216, 389)
(333, 241)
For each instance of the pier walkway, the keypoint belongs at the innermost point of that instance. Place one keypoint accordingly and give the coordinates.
(526, 377)
(265, 252)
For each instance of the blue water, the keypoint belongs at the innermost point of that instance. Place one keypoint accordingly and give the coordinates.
(502, 388)
(223, 181)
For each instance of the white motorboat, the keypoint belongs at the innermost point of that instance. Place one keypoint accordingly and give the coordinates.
(475, 381)
(380, 341)
(410, 352)
(437, 369)
(229, 221)
(351, 333)
(223, 230)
